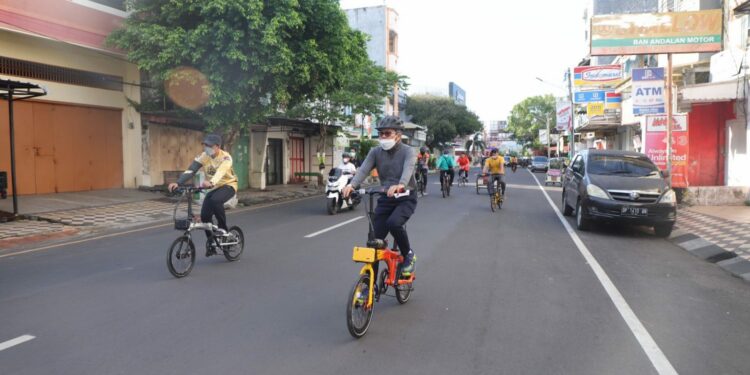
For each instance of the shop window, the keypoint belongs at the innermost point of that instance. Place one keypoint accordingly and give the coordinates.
(34, 70)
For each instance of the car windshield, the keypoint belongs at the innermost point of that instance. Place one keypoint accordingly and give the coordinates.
(540, 159)
(637, 166)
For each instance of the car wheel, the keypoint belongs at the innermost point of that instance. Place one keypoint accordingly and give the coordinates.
(581, 222)
(663, 230)
(566, 209)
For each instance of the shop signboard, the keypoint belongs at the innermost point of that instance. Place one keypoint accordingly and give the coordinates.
(597, 76)
(655, 33)
(648, 91)
(656, 145)
(564, 112)
(613, 100)
(581, 97)
(595, 109)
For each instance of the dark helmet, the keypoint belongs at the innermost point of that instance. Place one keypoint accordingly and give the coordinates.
(493, 151)
(446, 151)
(423, 149)
(390, 122)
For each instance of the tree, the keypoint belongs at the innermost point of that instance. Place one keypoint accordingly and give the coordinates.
(530, 115)
(444, 119)
(258, 57)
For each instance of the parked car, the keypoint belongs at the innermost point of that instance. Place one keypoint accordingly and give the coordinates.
(618, 186)
(539, 163)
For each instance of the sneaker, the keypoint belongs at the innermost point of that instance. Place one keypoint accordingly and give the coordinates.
(407, 268)
(210, 248)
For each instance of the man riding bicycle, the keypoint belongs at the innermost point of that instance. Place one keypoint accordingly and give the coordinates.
(220, 179)
(445, 164)
(495, 165)
(464, 164)
(423, 159)
(513, 163)
(395, 163)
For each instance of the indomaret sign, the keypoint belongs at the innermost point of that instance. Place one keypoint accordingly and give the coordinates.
(654, 33)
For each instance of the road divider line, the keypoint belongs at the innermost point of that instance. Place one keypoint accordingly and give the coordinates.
(231, 212)
(649, 346)
(16, 341)
(332, 227)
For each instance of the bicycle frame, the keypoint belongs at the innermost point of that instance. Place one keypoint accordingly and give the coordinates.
(186, 192)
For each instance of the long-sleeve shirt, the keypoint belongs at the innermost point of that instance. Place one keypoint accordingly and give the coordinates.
(395, 166)
(218, 169)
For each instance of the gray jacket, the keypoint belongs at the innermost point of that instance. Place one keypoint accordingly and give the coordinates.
(395, 166)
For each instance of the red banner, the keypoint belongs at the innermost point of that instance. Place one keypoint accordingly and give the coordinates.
(656, 146)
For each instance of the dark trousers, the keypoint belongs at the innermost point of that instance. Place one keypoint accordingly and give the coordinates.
(463, 172)
(423, 171)
(491, 186)
(213, 205)
(390, 217)
(450, 173)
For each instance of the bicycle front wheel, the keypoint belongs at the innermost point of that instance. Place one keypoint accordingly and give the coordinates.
(403, 292)
(358, 315)
(181, 257)
(232, 252)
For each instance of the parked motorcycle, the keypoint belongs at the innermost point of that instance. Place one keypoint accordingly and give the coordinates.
(335, 201)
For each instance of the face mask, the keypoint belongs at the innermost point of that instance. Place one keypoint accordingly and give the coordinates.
(346, 161)
(209, 151)
(387, 144)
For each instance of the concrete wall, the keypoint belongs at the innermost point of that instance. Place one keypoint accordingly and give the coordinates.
(168, 148)
(371, 21)
(25, 47)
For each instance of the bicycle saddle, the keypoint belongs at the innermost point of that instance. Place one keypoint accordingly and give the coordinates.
(377, 244)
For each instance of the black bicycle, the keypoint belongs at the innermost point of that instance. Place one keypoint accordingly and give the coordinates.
(421, 181)
(445, 185)
(181, 255)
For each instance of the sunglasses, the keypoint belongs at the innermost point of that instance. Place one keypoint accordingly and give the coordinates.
(386, 133)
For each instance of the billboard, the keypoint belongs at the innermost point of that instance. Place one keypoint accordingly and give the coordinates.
(597, 76)
(648, 91)
(654, 33)
(613, 100)
(595, 109)
(457, 93)
(656, 145)
(590, 96)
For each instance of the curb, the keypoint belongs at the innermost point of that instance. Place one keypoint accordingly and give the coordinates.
(710, 252)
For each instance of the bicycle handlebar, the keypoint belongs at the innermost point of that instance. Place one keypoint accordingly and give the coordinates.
(189, 189)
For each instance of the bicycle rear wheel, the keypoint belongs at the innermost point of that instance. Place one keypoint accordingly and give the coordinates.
(233, 252)
(493, 200)
(181, 257)
(358, 316)
(403, 292)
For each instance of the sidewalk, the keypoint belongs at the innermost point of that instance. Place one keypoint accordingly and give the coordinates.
(718, 234)
(50, 217)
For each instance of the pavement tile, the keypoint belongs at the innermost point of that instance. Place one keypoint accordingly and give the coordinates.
(738, 268)
(694, 244)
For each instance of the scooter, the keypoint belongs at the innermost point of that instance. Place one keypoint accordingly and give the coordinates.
(335, 201)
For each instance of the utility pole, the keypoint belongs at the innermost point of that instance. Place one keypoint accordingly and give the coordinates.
(548, 137)
(669, 117)
(572, 122)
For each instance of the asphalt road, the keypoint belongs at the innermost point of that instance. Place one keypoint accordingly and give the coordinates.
(502, 293)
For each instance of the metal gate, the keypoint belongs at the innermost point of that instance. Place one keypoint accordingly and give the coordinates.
(296, 159)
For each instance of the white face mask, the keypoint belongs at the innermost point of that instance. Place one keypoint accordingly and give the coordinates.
(387, 144)
(209, 151)
(346, 161)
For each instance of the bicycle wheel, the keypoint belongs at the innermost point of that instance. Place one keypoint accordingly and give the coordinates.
(493, 202)
(358, 316)
(447, 187)
(181, 257)
(443, 186)
(233, 252)
(403, 292)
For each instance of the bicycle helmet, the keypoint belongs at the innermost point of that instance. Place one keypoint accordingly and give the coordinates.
(423, 149)
(390, 122)
(493, 151)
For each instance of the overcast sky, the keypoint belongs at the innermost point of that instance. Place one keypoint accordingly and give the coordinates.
(493, 49)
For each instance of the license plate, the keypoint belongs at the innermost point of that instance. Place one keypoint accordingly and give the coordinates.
(634, 211)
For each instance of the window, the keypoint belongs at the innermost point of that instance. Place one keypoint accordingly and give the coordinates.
(622, 165)
(29, 69)
(577, 165)
(393, 42)
(117, 4)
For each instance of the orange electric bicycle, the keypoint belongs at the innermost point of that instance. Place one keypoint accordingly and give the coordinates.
(367, 290)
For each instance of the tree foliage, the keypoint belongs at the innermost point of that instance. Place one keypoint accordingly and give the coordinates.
(260, 58)
(445, 120)
(530, 115)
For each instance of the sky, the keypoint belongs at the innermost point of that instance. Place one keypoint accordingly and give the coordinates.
(493, 49)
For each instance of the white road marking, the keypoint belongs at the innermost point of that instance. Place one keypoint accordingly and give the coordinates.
(16, 341)
(231, 212)
(654, 353)
(311, 235)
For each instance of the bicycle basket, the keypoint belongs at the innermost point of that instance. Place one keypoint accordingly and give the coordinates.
(182, 224)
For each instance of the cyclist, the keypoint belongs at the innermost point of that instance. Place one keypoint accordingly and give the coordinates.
(220, 179)
(423, 159)
(464, 164)
(445, 164)
(513, 163)
(496, 167)
(395, 163)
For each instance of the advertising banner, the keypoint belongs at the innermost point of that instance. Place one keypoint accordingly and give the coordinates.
(613, 101)
(590, 96)
(655, 33)
(597, 76)
(656, 145)
(648, 91)
(595, 109)
(543, 136)
(564, 112)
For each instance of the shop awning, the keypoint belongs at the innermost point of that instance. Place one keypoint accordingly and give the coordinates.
(712, 92)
